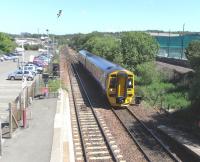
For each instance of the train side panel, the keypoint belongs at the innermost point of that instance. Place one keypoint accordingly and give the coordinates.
(116, 82)
(82, 57)
(98, 74)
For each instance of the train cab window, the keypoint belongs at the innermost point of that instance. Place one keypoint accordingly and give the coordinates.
(113, 82)
(130, 83)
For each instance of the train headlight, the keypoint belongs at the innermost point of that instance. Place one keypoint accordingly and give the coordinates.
(111, 89)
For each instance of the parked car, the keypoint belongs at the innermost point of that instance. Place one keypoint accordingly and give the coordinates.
(1, 58)
(32, 69)
(39, 69)
(18, 74)
(42, 58)
(47, 55)
(6, 57)
(10, 56)
(40, 62)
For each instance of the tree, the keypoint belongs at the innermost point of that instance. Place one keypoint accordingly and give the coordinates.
(6, 44)
(78, 40)
(105, 46)
(193, 56)
(137, 48)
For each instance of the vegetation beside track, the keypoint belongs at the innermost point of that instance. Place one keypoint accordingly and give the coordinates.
(136, 51)
(157, 90)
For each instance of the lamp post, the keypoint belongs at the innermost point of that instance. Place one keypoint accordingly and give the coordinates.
(47, 30)
(23, 90)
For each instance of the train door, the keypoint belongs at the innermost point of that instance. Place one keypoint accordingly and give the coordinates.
(112, 86)
(121, 87)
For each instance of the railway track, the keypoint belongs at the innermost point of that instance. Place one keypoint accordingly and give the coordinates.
(152, 148)
(92, 139)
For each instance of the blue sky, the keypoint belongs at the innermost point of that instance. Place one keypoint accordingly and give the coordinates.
(84, 16)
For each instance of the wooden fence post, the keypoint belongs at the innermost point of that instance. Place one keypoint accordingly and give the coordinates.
(32, 89)
(27, 97)
(1, 147)
(10, 120)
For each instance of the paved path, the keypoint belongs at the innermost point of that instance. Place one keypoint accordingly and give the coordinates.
(34, 143)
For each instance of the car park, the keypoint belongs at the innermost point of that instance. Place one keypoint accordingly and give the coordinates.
(18, 74)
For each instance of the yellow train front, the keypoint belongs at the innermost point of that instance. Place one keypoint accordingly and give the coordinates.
(120, 88)
(116, 82)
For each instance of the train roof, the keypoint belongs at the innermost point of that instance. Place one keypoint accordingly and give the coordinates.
(101, 63)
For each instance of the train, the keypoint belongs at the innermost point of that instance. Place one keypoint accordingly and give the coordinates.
(116, 82)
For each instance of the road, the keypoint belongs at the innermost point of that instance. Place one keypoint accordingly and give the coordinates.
(9, 90)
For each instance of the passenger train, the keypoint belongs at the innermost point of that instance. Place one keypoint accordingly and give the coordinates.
(116, 82)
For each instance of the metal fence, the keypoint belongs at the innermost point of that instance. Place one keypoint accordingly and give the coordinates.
(172, 52)
(172, 46)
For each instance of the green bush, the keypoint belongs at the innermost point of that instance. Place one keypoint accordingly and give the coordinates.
(147, 73)
(32, 47)
(54, 85)
(156, 92)
(175, 100)
(153, 92)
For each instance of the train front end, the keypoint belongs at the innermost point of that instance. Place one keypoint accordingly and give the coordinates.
(120, 88)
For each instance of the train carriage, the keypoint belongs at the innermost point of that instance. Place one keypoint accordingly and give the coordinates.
(116, 82)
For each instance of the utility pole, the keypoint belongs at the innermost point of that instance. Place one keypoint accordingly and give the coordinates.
(169, 44)
(182, 42)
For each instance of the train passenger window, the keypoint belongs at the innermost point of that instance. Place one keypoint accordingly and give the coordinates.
(113, 82)
(130, 83)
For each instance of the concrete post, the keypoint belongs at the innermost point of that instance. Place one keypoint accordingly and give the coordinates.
(10, 120)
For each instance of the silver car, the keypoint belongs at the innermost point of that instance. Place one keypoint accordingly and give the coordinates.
(34, 67)
(30, 68)
(18, 74)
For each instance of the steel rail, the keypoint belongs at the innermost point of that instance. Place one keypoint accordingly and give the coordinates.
(77, 117)
(154, 136)
(97, 120)
(148, 131)
(130, 134)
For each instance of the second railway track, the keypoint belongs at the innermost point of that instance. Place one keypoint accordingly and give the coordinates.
(152, 148)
